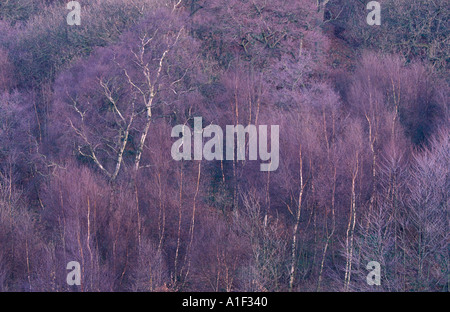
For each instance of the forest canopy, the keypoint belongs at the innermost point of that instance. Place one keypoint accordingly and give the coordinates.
(86, 172)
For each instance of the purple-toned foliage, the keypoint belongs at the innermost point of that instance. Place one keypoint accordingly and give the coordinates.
(106, 104)
(87, 175)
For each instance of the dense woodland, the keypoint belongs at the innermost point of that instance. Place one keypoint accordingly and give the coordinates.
(86, 172)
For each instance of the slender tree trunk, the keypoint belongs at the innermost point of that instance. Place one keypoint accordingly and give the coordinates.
(296, 226)
(192, 228)
(179, 228)
(351, 227)
(333, 228)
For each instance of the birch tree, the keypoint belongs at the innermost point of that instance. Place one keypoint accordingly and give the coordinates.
(110, 100)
